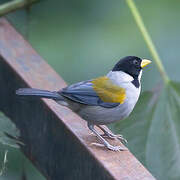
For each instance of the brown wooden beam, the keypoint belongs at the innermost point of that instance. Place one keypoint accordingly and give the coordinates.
(56, 140)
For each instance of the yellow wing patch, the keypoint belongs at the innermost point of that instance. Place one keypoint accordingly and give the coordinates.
(107, 91)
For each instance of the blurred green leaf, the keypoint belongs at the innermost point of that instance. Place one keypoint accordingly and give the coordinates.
(7, 127)
(3, 166)
(153, 131)
(17, 165)
(13, 164)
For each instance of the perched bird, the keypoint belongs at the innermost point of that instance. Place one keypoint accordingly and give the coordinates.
(103, 100)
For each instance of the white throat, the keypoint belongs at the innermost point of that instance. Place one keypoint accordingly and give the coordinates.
(119, 77)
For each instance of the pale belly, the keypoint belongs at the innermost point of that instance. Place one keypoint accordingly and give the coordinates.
(101, 115)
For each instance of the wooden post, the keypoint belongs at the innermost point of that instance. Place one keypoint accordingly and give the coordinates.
(57, 141)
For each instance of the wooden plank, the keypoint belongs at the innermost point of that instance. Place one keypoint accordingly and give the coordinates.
(56, 140)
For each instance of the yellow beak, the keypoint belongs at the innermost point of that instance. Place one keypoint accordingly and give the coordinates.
(145, 62)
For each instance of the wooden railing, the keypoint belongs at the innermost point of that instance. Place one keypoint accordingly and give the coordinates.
(57, 141)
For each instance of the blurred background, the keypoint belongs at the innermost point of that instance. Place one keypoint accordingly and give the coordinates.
(83, 39)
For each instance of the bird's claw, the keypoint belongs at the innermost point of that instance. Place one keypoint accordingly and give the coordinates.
(98, 144)
(110, 147)
(123, 140)
(113, 136)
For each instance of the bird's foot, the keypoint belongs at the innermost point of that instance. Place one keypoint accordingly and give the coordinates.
(110, 147)
(114, 136)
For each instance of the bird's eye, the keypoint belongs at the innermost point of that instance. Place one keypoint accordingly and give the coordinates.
(135, 62)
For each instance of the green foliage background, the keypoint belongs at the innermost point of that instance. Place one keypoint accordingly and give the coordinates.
(84, 39)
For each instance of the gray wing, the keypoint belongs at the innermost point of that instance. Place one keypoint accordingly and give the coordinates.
(83, 93)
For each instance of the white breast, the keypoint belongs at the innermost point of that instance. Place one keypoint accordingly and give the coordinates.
(124, 80)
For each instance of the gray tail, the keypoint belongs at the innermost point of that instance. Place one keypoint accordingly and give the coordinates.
(39, 93)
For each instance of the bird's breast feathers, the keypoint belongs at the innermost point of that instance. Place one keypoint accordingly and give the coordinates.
(116, 87)
(108, 91)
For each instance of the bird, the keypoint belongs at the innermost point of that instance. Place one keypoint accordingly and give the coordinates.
(103, 100)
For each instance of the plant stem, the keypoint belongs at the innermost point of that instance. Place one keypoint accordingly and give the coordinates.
(147, 39)
(14, 5)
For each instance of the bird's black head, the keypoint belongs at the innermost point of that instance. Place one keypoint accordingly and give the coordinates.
(131, 65)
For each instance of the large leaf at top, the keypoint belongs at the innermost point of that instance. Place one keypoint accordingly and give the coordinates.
(153, 131)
